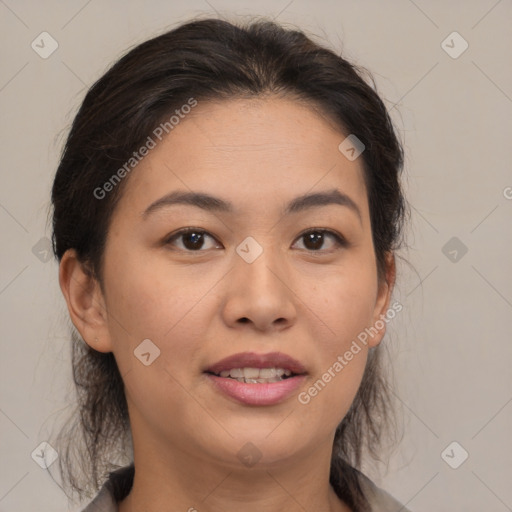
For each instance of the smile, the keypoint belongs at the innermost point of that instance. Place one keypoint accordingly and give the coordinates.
(256, 375)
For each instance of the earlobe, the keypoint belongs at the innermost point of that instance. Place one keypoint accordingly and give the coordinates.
(85, 301)
(384, 293)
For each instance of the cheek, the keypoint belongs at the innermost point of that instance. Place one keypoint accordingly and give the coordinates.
(331, 390)
(150, 298)
(344, 305)
(147, 302)
(151, 304)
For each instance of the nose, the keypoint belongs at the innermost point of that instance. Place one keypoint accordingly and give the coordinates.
(260, 294)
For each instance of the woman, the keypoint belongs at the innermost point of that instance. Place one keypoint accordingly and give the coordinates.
(226, 214)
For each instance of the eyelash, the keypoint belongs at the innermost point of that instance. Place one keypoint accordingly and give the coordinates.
(339, 239)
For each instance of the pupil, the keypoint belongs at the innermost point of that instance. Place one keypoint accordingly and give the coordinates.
(316, 238)
(196, 237)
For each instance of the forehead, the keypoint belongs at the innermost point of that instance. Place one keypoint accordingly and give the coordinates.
(250, 151)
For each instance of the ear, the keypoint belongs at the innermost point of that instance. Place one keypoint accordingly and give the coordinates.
(85, 301)
(385, 289)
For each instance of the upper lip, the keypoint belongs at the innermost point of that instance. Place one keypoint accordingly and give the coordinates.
(254, 360)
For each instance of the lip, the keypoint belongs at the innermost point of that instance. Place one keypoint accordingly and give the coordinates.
(257, 394)
(254, 360)
(261, 393)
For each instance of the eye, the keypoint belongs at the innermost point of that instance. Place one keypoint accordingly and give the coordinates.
(193, 239)
(314, 239)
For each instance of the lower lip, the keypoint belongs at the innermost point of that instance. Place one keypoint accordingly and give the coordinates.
(257, 394)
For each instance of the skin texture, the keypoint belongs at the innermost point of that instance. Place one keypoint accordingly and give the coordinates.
(258, 154)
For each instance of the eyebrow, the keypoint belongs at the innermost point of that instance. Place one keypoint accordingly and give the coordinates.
(215, 204)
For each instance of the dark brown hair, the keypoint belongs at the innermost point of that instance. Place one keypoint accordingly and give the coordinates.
(212, 59)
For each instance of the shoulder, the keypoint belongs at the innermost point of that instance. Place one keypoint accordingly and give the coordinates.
(103, 502)
(113, 490)
(379, 499)
(119, 484)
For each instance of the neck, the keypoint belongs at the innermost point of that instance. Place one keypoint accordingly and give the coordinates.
(191, 485)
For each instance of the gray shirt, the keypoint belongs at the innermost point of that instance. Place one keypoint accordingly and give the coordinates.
(105, 501)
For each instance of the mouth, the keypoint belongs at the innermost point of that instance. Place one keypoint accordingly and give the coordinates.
(257, 379)
(253, 368)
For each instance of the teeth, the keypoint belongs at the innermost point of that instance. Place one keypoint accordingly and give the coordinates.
(266, 381)
(256, 375)
(258, 381)
(268, 373)
(251, 373)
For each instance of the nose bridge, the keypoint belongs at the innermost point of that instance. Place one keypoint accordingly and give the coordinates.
(258, 264)
(259, 290)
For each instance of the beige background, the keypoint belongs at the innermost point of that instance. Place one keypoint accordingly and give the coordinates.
(451, 344)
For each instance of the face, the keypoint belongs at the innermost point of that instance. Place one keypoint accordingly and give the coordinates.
(256, 277)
